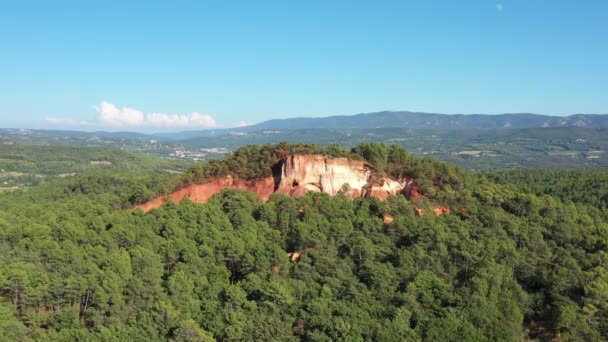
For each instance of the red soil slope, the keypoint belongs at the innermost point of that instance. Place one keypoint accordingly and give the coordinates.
(298, 174)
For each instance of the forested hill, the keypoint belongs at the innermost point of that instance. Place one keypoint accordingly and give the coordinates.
(76, 264)
(417, 120)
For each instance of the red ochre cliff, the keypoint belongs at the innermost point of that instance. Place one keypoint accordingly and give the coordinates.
(298, 174)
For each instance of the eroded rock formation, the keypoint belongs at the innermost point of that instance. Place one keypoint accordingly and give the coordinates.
(200, 193)
(295, 175)
(302, 173)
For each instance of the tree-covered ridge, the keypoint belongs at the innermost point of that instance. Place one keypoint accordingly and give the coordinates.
(438, 180)
(513, 266)
(117, 190)
(589, 186)
(253, 162)
(108, 169)
(22, 165)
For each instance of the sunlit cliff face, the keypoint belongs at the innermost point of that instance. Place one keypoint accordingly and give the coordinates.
(303, 173)
(296, 175)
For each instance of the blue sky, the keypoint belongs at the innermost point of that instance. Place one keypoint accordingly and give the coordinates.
(173, 65)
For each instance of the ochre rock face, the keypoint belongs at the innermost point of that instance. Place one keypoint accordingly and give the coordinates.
(441, 210)
(438, 211)
(413, 194)
(200, 193)
(320, 174)
(302, 173)
(295, 175)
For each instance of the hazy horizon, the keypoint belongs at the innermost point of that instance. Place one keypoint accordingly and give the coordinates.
(91, 129)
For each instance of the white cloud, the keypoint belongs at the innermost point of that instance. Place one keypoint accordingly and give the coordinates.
(243, 124)
(111, 115)
(114, 116)
(499, 7)
(53, 120)
(166, 120)
(202, 120)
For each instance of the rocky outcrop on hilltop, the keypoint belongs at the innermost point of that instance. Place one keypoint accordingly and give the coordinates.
(295, 175)
(302, 173)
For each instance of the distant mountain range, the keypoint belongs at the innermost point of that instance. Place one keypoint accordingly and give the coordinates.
(365, 121)
(411, 120)
(416, 120)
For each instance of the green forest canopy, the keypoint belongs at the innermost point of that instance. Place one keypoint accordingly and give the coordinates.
(518, 262)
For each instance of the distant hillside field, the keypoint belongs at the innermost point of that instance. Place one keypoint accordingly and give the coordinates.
(475, 142)
(22, 165)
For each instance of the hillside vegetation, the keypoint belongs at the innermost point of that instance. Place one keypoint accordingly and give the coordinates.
(438, 180)
(513, 263)
(589, 187)
(22, 165)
